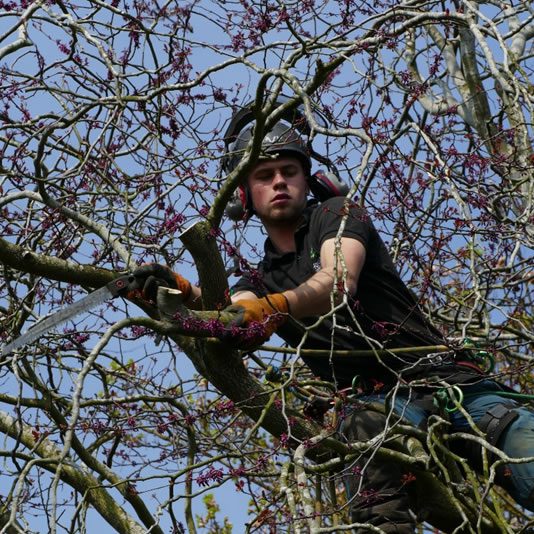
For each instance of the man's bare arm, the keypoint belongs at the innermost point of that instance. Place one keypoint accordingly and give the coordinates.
(313, 296)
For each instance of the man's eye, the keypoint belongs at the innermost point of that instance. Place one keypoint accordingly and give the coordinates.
(290, 171)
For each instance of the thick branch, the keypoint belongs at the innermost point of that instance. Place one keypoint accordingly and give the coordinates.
(26, 261)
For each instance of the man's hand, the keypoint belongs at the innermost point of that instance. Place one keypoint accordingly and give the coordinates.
(262, 316)
(153, 275)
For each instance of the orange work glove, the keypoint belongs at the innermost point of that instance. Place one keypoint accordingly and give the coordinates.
(153, 275)
(261, 317)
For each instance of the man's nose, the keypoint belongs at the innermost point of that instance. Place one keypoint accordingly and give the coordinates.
(279, 179)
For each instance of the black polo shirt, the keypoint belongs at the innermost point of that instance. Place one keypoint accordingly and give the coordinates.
(382, 310)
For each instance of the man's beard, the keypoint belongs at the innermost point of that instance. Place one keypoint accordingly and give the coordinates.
(283, 218)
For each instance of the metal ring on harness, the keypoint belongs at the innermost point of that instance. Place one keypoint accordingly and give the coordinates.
(446, 396)
(482, 358)
(487, 361)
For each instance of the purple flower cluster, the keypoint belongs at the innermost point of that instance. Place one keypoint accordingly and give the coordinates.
(212, 474)
(224, 408)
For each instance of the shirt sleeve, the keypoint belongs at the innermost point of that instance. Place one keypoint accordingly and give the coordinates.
(244, 284)
(330, 215)
(251, 280)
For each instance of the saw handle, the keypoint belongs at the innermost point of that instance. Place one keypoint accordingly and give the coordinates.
(123, 285)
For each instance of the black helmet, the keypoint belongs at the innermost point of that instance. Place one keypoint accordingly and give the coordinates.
(282, 140)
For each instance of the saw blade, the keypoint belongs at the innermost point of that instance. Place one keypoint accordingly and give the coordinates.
(69, 312)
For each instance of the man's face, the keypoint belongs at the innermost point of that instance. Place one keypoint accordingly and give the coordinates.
(278, 189)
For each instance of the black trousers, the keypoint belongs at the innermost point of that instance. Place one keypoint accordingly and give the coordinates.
(376, 489)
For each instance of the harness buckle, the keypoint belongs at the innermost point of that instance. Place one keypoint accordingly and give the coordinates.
(437, 358)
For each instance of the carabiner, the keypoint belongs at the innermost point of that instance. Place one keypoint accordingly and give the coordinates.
(486, 359)
(451, 405)
(445, 399)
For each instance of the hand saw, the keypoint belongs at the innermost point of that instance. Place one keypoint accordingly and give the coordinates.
(118, 287)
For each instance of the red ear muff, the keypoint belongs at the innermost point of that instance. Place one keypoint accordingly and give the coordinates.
(240, 207)
(325, 185)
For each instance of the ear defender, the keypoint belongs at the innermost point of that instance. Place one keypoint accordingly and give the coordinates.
(325, 185)
(239, 208)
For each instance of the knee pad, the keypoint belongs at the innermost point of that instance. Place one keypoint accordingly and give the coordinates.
(496, 420)
(493, 423)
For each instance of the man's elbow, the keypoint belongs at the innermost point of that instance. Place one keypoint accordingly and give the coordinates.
(351, 286)
(346, 286)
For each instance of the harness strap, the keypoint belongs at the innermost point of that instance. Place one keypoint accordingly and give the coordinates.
(496, 420)
(493, 423)
(470, 365)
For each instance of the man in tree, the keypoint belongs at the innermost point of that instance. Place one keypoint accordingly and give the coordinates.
(326, 260)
